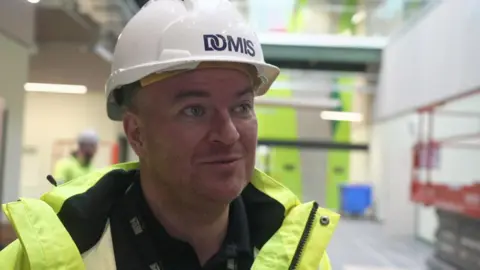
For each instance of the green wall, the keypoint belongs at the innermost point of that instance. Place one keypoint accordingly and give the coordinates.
(345, 22)
(338, 162)
(281, 123)
(297, 22)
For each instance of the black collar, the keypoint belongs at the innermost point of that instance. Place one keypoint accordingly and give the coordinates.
(238, 232)
(237, 241)
(84, 215)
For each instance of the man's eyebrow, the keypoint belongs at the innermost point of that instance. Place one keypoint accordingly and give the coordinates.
(204, 94)
(191, 94)
(248, 90)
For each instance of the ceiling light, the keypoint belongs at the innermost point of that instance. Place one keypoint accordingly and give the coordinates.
(341, 116)
(55, 88)
(298, 103)
(34, 1)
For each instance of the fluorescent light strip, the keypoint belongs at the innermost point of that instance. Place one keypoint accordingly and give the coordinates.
(299, 103)
(55, 88)
(341, 116)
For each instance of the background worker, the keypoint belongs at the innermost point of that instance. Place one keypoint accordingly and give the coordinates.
(79, 162)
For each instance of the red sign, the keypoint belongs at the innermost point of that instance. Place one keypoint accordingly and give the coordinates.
(426, 156)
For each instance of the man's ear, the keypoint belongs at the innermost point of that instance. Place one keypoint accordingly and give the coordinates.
(132, 126)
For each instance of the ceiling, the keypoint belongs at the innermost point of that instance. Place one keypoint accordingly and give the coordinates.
(66, 39)
(59, 25)
(16, 22)
(67, 36)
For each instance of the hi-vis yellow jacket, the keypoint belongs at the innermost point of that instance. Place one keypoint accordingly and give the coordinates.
(70, 168)
(54, 232)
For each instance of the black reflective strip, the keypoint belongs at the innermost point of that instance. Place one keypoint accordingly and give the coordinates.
(143, 240)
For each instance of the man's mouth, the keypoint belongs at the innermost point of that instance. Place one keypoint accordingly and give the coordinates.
(222, 160)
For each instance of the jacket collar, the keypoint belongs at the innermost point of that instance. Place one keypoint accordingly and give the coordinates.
(291, 231)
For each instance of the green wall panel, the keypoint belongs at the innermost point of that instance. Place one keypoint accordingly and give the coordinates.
(297, 21)
(338, 162)
(286, 168)
(345, 23)
(281, 123)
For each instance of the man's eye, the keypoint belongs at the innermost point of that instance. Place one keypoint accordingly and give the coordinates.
(194, 111)
(243, 108)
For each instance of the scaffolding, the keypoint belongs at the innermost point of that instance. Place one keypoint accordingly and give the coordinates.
(446, 176)
(459, 141)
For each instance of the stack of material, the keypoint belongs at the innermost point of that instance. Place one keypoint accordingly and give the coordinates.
(458, 242)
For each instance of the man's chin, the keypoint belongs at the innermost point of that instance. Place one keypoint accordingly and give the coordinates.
(223, 194)
(221, 187)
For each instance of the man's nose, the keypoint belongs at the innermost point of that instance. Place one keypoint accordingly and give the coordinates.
(223, 129)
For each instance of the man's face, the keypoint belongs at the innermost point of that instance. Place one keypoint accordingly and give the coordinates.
(199, 133)
(88, 151)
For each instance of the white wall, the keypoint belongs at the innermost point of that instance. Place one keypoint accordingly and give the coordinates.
(51, 117)
(16, 36)
(360, 134)
(13, 74)
(390, 161)
(437, 58)
(458, 165)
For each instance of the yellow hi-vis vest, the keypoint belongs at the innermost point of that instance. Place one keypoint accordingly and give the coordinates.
(70, 168)
(45, 244)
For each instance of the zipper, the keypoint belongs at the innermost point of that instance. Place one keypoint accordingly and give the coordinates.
(303, 240)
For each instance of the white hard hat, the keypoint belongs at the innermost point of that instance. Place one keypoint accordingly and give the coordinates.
(169, 35)
(88, 136)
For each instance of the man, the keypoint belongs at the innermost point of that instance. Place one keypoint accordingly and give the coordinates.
(183, 82)
(79, 162)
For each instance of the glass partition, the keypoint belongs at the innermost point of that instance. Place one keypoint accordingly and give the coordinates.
(369, 18)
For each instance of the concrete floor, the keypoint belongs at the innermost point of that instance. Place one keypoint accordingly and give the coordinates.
(362, 245)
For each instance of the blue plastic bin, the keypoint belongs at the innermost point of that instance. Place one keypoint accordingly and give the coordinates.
(355, 198)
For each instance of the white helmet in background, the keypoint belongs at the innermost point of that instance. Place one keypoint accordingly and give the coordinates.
(88, 136)
(170, 35)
